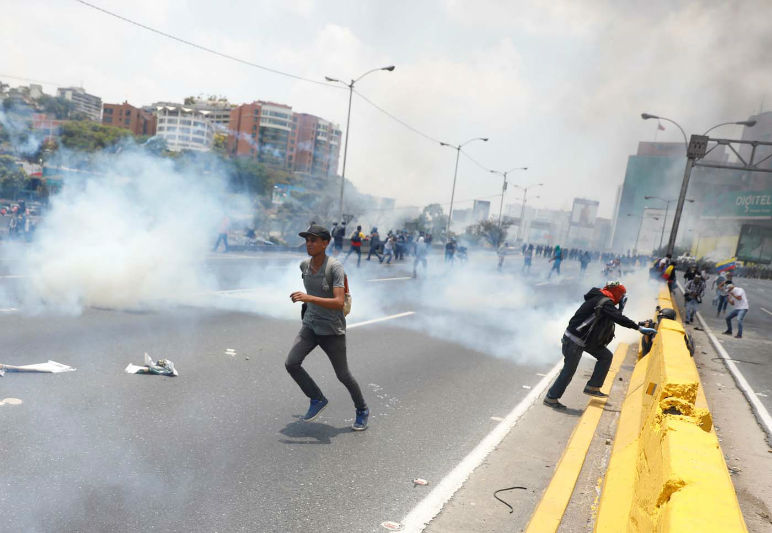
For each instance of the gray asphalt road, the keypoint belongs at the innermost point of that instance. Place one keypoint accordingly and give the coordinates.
(220, 448)
(752, 353)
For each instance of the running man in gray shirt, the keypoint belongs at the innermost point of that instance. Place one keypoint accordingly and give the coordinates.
(324, 325)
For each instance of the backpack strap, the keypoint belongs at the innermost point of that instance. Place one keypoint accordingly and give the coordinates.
(304, 266)
(331, 261)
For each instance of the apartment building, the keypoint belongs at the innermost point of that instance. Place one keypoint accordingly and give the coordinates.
(184, 128)
(86, 103)
(126, 116)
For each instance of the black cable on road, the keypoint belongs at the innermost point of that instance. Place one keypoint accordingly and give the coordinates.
(511, 509)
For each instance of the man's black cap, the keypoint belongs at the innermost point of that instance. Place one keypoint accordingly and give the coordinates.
(316, 230)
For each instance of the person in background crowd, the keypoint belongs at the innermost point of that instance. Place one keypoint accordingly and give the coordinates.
(388, 249)
(527, 259)
(584, 260)
(690, 273)
(356, 245)
(375, 243)
(338, 234)
(420, 254)
(556, 259)
(739, 300)
(222, 233)
(502, 253)
(719, 285)
(693, 292)
(450, 250)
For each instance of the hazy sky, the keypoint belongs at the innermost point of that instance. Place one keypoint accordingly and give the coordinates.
(558, 86)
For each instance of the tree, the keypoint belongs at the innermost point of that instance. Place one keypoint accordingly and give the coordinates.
(60, 108)
(12, 177)
(431, 220)
(87, 136)
(489, 231)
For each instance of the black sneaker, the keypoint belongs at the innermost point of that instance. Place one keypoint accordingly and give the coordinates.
(594, 391)
(315, 409)
(360, 424)
(554, 403)
(738, 336)
(727, 332)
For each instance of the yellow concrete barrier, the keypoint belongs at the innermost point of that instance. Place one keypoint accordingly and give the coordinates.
(666, 472)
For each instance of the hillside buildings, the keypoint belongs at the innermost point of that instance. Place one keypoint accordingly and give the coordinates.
(86, 103)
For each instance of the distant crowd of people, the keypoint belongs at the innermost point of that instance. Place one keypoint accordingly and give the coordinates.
(20, 225)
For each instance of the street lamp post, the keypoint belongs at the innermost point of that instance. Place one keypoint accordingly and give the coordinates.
(640, 225)
(455, 174)
(503, 190)
(667, 210)
(348, 121)
(522, 209)
(690, 160)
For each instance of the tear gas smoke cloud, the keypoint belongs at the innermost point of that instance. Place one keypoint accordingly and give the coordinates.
(132, 234)
(471, 305)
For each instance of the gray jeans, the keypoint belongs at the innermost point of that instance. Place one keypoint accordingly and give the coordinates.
(572, 353)
(335, 348)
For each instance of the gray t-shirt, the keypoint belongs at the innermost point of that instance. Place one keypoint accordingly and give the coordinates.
(323, 321)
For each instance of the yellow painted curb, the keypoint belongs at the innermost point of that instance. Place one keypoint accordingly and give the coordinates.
(549, 511)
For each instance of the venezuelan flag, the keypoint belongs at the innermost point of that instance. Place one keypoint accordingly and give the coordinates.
(729, 264)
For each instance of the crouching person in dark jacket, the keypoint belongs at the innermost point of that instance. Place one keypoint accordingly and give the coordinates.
(590, 330)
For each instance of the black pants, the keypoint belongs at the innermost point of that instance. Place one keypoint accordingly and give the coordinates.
(335, 348)
(572, 353)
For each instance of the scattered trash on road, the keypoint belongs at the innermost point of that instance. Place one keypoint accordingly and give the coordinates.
(420, 481)
(11, 401)
(162, 367)
(526, 386)
(391, 526)
(51, 367)
(230, 352)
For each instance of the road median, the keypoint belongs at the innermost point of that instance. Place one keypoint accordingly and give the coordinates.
(667, 471)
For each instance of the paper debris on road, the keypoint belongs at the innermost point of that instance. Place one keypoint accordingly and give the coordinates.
(162, 367)
(391, 526)
(51, 367)
(420, 481)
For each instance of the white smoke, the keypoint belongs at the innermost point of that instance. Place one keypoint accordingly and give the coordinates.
(133, 234)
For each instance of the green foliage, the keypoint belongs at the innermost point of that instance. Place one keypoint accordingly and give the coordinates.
(431, 220)
(60, 108)
(488, 231)
(248, 175)
(86, 136)
(12, 178)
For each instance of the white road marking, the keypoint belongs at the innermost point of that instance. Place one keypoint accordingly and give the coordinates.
(417, 519)
(767, 311)
(390, 279)
(762, 415)
(373, 321)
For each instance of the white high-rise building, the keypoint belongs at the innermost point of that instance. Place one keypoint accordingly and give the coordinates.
(184, 128)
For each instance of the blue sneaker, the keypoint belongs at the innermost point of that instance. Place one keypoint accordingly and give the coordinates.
(360, 424)
(316, 407)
